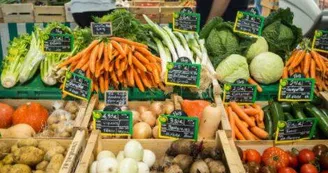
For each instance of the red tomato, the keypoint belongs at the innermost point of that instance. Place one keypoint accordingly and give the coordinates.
(286, 170)
(293, 162)
(275, 157)
(252, 156)
(309, 168)
(306, 156)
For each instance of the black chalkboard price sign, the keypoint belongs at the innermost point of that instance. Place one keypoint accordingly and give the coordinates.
(248, 23)
(58, 43)
(77, 86)
(117, 98)
(178, 127)
(183, 74)
(186, 21)
(240, 92)
(101, 29)
(113, 123)
(289, 131)
(320, 41)
(296, 89)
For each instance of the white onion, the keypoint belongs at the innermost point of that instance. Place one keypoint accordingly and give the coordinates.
(93, 167)
(105, 154)
(107, 165)
(142, 167)
(128, 165)
(120, 156)
(141, 130)
(149, 158)
(133, 149)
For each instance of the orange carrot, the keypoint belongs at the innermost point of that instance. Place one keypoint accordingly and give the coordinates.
(260, 132)
(253, 82)
(297, 60)
(122, 40)
(238, 134)
(245, 124)
(144, 51)
(93, 58)
(106, 78)
(100, 50)
(246, 133)
(113, 77)
(307, 63)
(131, 81)
(130, 58)
(141, 58)
(70, 60)
(316, 59)
(106, 56)
(292, 57)
(91, 46)
(111, 67)
(118, 47)
(82, 61)
(251, 111)
(102, 84)
(285, 73)
(241, 114)
(312, 69)
(138, 64)
(110, 52)
(138, 80)
(144, 79)
(261, 112)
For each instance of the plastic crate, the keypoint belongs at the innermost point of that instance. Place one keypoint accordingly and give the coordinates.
(269, 92)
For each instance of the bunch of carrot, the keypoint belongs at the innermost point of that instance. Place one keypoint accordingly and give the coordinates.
(311, 64)
(247, 122)
(117, 62)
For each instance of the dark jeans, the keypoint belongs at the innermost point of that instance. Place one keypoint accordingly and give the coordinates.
(204, 8)
(85, 18)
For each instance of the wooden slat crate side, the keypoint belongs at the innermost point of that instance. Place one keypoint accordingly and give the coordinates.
(95, 144)
(88, 114)
(74, 153)
(49, 13)
(17, 13)
(324, 95)
(68, 13)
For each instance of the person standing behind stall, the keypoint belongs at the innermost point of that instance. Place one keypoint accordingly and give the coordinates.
(227, 9)
(84, 10)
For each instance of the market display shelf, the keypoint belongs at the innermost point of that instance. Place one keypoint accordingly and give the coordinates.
(95, 144)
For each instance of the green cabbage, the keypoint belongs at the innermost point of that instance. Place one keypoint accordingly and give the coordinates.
(256, 48)
(232, 68)
(267, 68)
(280, 33)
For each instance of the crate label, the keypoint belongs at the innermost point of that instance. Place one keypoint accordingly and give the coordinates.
(240, 92)
(77, 86)
(183, 74)
(179, 113)
(297, 88)
(320, 41)
(101, 29)
(178, 127)
(186, 21)
(289, 131)
(118, 123)
(248, 23)
(115, 97)
(58, 43)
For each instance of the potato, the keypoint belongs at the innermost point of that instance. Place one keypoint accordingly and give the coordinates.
(27, 142)
(215, 166)
(52, 152)
(173, 169)
(9, 159)
(42, 165)
(54, 126)
(4, 148)
(183, 161)
(5, 169)
(47, 145)
(181, 147)
(52, 120)
(199, 167)
(14, 148)
(39, 171)
(55, 163)
(71, 106)
(20, 168)
(29, 155)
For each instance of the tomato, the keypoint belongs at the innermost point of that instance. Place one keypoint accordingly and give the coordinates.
(309, 168)
(286, 170)
(252, 156)
(275, 157)
(319, 149)
(306, 156)
(293, 162)
(323, 160)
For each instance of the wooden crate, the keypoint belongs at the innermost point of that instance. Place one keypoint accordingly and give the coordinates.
(152, 12)
(172, 3)
(18, 13)
(48, 104)
(49, 14)
(167, 13)
(68, 13)
(74, 150)
(95, 144)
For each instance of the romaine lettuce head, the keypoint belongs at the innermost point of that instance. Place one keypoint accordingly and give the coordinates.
(232, 68)
(267, 68)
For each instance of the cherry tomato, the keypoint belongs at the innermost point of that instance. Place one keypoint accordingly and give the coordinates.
(286, 170)
(308, 168)
(275, 157)
(306, 156)
(252, 156)
(293, 162)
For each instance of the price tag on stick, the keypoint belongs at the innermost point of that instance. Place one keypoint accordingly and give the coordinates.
(113, 123)
(320, 41)
(248, 23)
(186, 21)
(115, 97)
(178, 127)
(240, 92)
(58, 43)
(297, 88)
(289, 131)
(77, 86)
(101, 29)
